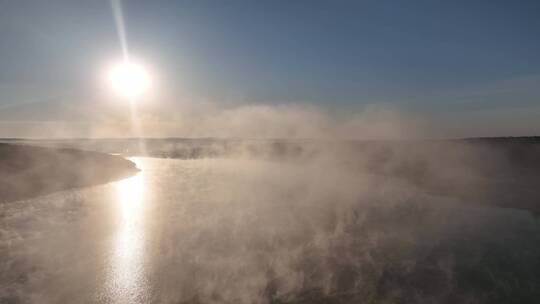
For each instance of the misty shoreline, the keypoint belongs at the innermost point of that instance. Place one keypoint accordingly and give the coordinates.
(29, 171)
(498, 172)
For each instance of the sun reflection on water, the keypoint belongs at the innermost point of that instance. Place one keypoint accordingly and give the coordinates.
(126, 272)
(130, 193)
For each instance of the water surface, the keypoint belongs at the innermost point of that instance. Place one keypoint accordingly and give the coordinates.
(251, 231)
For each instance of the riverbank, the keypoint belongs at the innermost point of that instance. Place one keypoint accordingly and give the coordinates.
(28, 171)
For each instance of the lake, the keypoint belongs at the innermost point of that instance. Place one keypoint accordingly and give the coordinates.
(216, 230)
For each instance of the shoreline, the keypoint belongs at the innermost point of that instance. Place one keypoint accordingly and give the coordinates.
(29, 171)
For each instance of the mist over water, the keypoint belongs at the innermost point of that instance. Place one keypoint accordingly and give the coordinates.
(269, 152)
(262, 230)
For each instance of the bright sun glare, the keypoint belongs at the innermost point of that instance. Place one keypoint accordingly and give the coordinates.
(129, 79)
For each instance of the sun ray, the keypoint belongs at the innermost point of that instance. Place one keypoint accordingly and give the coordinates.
(128, 78)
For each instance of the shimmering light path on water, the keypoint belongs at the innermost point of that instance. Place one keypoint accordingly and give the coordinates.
(126, 277)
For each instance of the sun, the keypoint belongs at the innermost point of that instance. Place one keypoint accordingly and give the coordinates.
(129, 79)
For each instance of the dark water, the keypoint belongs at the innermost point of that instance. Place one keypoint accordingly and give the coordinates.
(248, 231)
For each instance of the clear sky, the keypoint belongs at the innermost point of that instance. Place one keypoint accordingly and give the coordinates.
(470, 68)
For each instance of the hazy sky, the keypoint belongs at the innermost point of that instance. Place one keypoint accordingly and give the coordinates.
(468, 67)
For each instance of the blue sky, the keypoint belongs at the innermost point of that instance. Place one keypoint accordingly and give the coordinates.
(468, 63)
